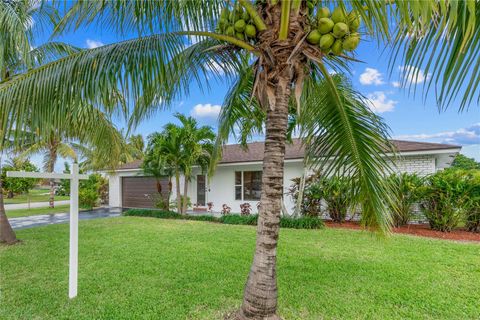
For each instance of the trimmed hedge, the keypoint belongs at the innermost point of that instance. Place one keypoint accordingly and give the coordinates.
(251, 220)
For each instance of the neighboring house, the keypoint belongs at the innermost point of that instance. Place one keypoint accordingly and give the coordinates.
(237, 178)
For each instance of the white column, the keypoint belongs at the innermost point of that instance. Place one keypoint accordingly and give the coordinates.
(73, 261)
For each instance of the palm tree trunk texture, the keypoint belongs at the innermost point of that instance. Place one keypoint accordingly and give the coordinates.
(7, 235)
(179, 195)
(50, 167)
(185, 195)
(260, 296)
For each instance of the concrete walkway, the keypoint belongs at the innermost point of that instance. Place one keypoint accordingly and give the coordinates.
(46, 219)
(16, 206)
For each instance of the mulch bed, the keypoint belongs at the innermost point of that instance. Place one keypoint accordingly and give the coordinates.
(422, 230)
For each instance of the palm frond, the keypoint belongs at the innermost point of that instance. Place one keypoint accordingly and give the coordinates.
(442, 42)
(344, 137)
(143, 17)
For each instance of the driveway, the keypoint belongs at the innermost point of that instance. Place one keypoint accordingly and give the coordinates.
(16, 206)
(46, 219)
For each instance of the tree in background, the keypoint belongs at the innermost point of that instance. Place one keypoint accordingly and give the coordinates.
(464, 163)
(15, 186)
(51, 148)
(289, 57)
(92, 158)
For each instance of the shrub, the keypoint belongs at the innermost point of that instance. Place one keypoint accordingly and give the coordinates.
(173, 203)
(90, 190)
(251, 220)
(405, 189)
(225, 209)
(444, 199)
(338, 194)
(87, 198)
(245, 209)
(301, 223)
(472, 221)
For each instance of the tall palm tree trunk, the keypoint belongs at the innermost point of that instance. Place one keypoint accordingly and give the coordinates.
(185, 195)
(260, 296)
(52, 158)
(179, 195)
(7, 235)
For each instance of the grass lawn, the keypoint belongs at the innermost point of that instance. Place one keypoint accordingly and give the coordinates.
(146, 268)
(37, 211)
(36, 195)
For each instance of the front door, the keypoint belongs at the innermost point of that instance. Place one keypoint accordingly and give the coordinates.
(201, 187)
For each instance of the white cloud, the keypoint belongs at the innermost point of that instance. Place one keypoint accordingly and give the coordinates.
(206, 111)
(396, 84)
(371, 76)
(464, 136)
(92, 44)
(413, 75)
(379, 102)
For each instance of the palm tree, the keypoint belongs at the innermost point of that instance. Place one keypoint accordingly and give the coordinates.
(177, 149)
(17, 56)
(197, 145)
(168, 145)
(156, 69)
(52, 147)
(155, 165)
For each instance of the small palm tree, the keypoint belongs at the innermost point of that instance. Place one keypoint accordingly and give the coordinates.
(181, 147)
(156, 69)
(198, 149)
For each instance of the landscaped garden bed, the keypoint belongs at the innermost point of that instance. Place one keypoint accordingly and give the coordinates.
(423, 230)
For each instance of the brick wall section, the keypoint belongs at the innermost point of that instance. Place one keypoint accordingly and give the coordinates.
(422, 165)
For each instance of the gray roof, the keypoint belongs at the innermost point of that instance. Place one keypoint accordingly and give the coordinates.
(235, 153)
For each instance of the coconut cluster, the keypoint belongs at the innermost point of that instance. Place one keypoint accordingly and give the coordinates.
(335, 32)
(237, 23)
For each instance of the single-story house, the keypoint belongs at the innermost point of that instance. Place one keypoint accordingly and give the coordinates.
(237, 178)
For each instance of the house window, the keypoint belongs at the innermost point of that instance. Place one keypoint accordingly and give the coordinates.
(248, 185)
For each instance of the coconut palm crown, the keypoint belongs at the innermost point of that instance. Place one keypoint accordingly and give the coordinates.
(277, 54)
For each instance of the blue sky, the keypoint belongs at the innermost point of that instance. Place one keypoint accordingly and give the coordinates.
(409, 117)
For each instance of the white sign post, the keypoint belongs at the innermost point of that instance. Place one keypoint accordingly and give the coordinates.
(74, 178)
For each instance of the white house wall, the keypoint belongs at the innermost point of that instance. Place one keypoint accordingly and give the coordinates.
(221, 187)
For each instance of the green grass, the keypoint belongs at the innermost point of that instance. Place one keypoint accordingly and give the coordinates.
(37, 211)
(36, 195)
(146, 268)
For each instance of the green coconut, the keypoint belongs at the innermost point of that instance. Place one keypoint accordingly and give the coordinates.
(250, 31)
(354, 20)
(245, 16)
(325, 25)
(239, 35)
(314, 37)
(240, 25)
(338, 15)
(337, 47)
(340, 29)
(326, 41)
(351, 42)
(323, 12)
(222, 22)
(230, 31)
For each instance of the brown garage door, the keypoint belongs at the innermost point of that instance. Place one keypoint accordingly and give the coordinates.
(141, 192)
